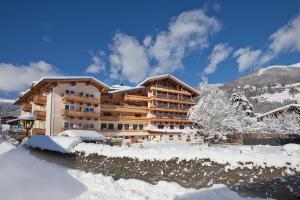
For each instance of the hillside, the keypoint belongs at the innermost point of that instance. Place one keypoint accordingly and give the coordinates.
(270, 87)
(7, 108)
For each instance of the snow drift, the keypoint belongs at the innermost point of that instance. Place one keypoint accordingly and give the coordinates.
(56, 143)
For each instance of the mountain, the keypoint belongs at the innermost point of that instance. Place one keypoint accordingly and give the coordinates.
(268, 88)
(7, 108)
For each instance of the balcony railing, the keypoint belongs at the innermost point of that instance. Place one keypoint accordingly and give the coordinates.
(81, 114)
(168, 110)
(78, 128)
(41, 115)
(175, 120)
(172, 100)
(38, 131)
(171, 90)
(81, 99)
(40, 100)
(27, 107)
(124, 118)
(135, 98)
(124, 108)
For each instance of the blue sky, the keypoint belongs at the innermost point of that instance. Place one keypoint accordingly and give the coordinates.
(106, 39)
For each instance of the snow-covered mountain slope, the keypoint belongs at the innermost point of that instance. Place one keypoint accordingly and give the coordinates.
(273, 86)
(4, 100)
(8, 108)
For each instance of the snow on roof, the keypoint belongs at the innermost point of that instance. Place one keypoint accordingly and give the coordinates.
(55, 143)
(69, 77)
(27, 116)
(84, 135)
(279, 109)
(168, 76)
(126, 89)
(35, 83)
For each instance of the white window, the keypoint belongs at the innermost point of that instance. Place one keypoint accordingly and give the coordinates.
(181, 126)
(179, 137)
(89, 109)
(170, 137)
(89, 95)
(160, 126)
(68, 125)
(89, 126)
(70, 92)
(69, 107)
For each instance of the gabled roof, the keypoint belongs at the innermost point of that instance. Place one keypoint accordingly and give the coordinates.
(279, 109)
(171, 77)
(40, 83)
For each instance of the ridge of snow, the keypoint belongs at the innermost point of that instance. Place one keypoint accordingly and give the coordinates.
(5, 100)
(232, 156)
(264, 69)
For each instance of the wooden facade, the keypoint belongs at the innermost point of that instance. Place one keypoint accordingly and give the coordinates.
(158, 105)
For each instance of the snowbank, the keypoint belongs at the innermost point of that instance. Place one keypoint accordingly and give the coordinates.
(25, 177)
(84, 135)
(56, 143)
(231, 156)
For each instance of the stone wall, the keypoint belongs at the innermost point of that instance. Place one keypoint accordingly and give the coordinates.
(249, 181)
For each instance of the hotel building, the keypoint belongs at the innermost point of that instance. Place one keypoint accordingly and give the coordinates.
(154, 109)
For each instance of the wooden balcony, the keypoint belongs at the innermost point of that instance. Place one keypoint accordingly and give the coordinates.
(174, 120)
(170, 90)
(27, 107)
(124, 119)
(41, 115)
(80, 114)
(125, 108)
(135, 98)
(168, 110)
(40, 100)
(173, 101)
(79, 128)
(38, 131)
(81, 99)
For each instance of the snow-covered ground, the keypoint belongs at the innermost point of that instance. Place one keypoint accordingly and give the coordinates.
(25, 177)
(229, 155)
(281, 97)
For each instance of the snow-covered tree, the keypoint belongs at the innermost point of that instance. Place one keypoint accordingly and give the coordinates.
(213, 115)
(284, 123)
(242, 104)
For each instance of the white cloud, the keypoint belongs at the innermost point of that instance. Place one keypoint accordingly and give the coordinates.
(164, 52)
(15, 78)
(220, 52)
(97, 65)
(285, 39)
(246, 58)
(128, 58)
(187, 32)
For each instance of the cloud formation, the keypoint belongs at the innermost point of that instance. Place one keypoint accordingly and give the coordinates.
(164, 52)
(285, 39)
(220, 53)
(97, 64)
(246, 58)
(15, 78)
(128, 58)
